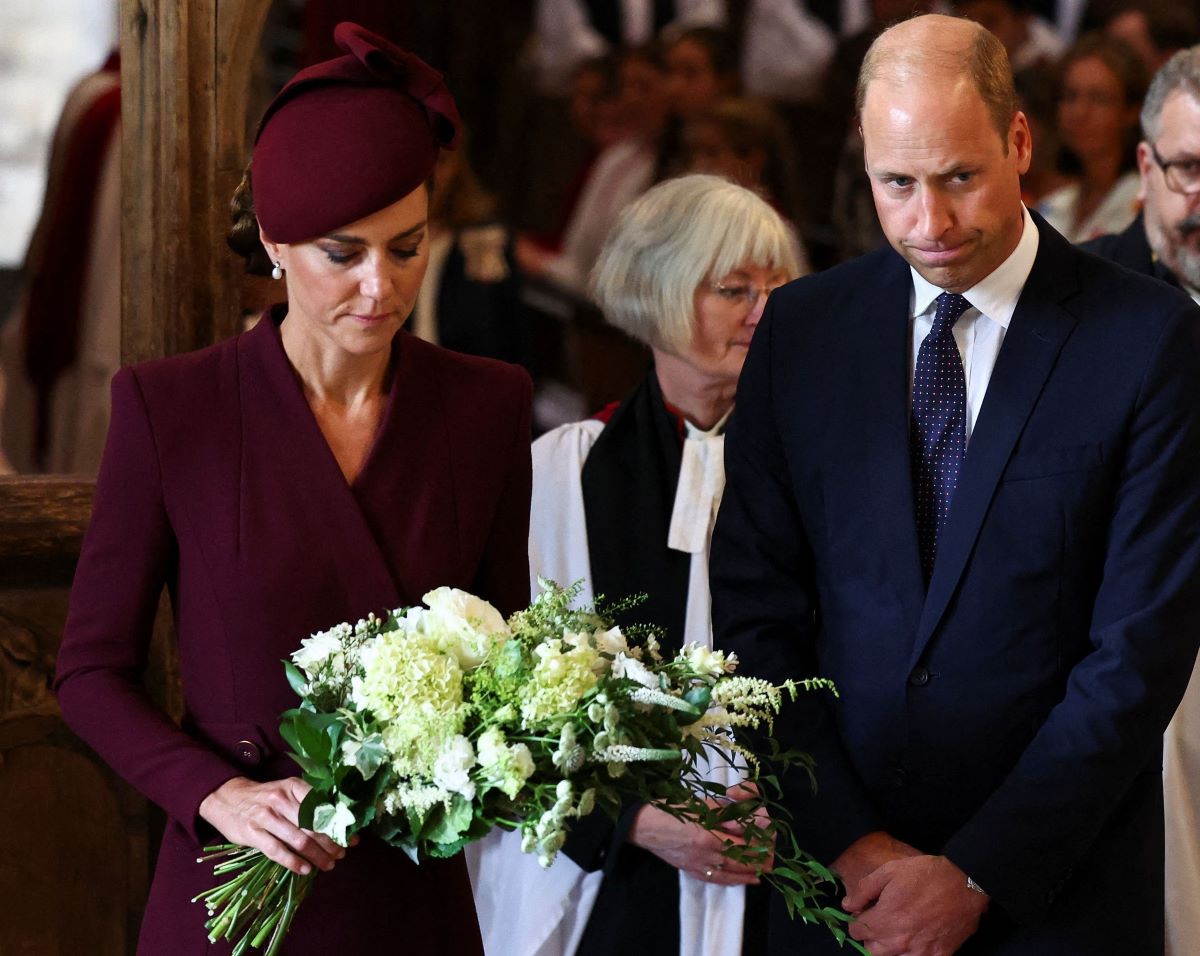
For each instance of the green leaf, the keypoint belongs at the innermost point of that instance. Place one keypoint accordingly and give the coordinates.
(296, 678)
(313, 799)
(370, 755)
(453, 821)
(699, 697)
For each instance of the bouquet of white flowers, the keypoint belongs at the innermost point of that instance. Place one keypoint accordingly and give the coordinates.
(431, 725)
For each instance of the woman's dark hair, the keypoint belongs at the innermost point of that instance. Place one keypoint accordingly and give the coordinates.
(243, 234)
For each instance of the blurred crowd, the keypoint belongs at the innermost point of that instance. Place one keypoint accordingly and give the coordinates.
(575, 107)
(616, 96)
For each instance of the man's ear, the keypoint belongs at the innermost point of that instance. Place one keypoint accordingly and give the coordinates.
(1144, 163)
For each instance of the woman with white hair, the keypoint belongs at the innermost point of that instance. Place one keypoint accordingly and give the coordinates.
(626, 502)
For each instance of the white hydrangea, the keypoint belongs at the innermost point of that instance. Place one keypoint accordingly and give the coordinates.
(415, 691)
(452, 769)
(563, 674)
(504, 766)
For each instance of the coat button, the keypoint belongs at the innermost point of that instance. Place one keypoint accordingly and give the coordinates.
(919, 677)
(248, 753)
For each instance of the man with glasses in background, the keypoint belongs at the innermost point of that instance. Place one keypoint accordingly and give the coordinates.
(1164, 241)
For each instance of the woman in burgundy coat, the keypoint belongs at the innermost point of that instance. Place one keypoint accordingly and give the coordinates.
(321, 466)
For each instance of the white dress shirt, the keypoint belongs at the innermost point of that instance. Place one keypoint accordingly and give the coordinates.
(980, 332)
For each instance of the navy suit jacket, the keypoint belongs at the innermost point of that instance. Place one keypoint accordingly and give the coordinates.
(1010, 715)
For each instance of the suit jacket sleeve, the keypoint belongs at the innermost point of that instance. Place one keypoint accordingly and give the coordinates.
(128, 554)
(764, 603)
(1022, 844)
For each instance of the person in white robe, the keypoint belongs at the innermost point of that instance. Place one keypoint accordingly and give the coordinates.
(625, 503)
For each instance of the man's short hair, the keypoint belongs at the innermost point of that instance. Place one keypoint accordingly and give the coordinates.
(1181, 72)
(986, 62)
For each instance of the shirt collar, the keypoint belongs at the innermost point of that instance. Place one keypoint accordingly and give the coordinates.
(997, 293)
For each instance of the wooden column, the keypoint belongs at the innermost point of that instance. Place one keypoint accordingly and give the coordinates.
(76, 847)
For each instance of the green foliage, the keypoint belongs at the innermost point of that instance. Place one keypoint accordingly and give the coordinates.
(560, 716)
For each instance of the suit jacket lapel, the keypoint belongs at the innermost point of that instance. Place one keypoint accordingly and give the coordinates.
(883, 392)
(1035, 336)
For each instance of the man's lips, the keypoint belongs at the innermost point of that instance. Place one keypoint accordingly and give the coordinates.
(938, 255)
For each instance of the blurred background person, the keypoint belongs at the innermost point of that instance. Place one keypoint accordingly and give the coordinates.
(1028, 39)
(1154, 29)
(570, 32)
(621, 172)
(470, 297)
(625, 502)
(63, 343)
(745, 140)
(1036, 99)
(1100, 90)
(702, 67)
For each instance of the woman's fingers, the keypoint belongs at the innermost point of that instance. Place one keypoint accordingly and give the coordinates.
(264, 816)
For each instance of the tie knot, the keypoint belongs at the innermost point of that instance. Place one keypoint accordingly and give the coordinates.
(950, 307)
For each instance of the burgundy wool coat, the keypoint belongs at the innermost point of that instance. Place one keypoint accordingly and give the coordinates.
(217, 481)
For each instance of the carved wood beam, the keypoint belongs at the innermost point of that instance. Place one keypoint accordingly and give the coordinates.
(42, 521)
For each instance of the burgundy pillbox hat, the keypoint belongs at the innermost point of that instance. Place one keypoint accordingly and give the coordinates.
(348, 137)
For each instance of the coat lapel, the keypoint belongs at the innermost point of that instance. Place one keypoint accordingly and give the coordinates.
(287, 464)
(1031, 346)
(884, 413)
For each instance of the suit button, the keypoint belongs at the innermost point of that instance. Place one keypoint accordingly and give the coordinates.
(900, 777)
(248, 753)
(919, 677)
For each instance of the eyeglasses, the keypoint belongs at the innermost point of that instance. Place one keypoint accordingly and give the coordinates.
(1181, 175)
(747, 295)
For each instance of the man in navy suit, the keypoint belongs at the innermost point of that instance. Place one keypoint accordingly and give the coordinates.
(962, 484)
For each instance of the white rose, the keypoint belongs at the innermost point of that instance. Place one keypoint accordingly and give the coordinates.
(451, 770)
(611, 642)
(463, 625)
(316, 650)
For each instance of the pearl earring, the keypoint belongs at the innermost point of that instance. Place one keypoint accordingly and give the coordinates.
(277, 272)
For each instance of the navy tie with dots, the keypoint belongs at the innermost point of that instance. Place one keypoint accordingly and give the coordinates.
(939, 425)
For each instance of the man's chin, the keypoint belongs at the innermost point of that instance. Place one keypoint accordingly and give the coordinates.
(947, 269)
(1187, 265)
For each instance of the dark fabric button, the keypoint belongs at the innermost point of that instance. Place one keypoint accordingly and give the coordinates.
(919, 677)
(901, 777)
(247, 752)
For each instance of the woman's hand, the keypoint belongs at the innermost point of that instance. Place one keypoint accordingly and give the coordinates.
(263, 816)
(695, 850)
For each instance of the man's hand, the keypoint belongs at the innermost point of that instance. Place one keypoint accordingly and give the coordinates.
(917, 906)
(866, 854)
